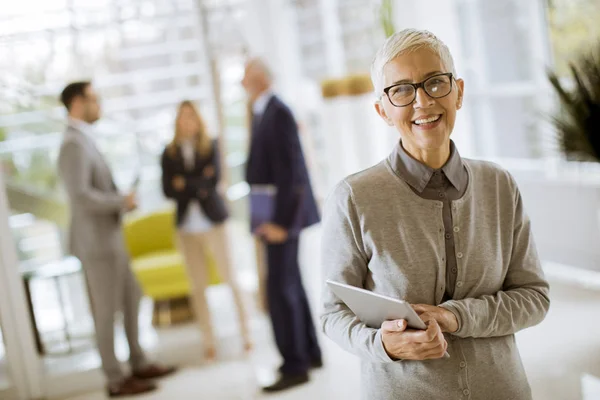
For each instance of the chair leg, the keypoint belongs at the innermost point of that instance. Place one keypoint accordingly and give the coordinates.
(181, 310)
(171, 311)
(155, 313)
(161, 313)
(164, 315)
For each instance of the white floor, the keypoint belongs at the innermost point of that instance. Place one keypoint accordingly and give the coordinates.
(562, 359)
(561, 355)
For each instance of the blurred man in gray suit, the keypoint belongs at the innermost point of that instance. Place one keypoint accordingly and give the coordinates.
(95, 237)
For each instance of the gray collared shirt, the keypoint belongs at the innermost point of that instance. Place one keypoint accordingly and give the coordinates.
(445, 184)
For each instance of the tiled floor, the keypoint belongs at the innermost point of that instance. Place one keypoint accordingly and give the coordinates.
(561, 355)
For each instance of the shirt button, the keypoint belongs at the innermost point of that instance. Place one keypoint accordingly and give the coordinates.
(442, 195)
(448, 236)
(454, 270)
(463, 364)
(456, 229)
(459, 255)
(466, 392)
(459, 284)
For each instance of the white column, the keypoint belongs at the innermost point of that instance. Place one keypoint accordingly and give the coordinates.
(285, 55)
(25, 367)
(272, 35)
(332, 31)
(480, 84)
(338, 135)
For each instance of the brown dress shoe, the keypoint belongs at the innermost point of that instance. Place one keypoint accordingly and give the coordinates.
(153, 371)
(129, 387)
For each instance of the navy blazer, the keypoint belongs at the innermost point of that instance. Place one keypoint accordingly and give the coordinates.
(276, 158)
(197, 187)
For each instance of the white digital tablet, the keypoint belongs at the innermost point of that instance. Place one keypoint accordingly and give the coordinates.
(372, 308)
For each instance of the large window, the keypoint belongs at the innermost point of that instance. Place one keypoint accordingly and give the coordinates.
(501, 49)
(337, 37)
(144, 57)
(504, 56)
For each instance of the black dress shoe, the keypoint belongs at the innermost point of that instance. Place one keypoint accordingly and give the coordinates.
(286, 381)
(131, 387)
(314, 364)
(153, 371)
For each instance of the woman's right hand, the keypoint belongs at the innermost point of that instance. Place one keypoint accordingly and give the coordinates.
(178, 183)
(402, 344)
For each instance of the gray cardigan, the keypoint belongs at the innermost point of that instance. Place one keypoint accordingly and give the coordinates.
(379, 235)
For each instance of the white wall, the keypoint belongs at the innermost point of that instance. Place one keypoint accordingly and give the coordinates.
(564, 213)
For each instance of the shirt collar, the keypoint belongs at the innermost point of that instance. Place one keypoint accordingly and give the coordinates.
(187, 147)
(82, 126)
(418, 175)
(261, 103)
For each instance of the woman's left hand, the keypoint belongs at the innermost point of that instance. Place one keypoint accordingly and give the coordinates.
(445, 319)
(209, 171)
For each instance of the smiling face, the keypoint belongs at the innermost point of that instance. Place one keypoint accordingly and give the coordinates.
(426, 124)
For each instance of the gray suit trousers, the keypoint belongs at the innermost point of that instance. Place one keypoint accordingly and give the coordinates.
(112, 288)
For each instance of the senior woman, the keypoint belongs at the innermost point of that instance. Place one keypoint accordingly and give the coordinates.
(446, 234)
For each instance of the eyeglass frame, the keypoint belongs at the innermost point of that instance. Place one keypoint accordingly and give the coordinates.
(417, 86)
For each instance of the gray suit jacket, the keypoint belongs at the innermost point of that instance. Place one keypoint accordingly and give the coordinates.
(95, 203)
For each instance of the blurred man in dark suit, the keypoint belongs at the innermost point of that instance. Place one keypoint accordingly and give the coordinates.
(276, 162)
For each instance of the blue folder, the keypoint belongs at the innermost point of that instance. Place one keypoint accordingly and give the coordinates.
(262, 209)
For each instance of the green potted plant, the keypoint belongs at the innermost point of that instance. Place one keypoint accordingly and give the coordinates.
(578, 120)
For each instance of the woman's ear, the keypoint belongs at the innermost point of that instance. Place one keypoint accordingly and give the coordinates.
(460, 84)
(381, 111)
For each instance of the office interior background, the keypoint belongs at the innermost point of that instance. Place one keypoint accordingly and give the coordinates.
(145, 56)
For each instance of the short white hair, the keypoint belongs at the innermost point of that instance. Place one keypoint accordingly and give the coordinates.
(405, 41)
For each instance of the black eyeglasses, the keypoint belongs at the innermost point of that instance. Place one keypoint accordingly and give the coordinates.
(403, 94)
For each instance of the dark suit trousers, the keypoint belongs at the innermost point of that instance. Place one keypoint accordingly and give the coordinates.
(290, 313)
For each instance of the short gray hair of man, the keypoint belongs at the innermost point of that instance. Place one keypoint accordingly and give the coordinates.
(403, 42)
(261, 65)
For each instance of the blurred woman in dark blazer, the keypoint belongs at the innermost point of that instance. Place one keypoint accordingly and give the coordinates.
(190, 176)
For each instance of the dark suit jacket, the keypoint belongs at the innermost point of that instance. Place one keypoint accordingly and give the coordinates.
(276, 158)
(212, 204)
